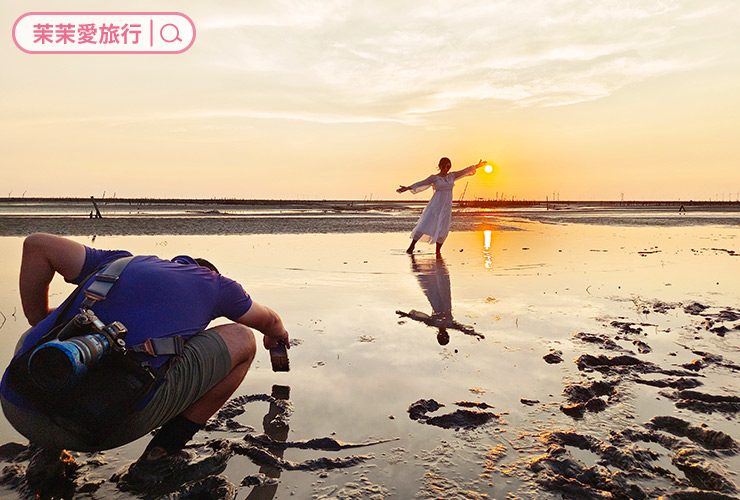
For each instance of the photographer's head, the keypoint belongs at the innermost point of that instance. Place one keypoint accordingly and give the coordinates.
(207, 264)
(186, 259)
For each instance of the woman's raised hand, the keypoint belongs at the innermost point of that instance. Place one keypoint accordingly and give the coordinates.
(401, 189)
(481, 163)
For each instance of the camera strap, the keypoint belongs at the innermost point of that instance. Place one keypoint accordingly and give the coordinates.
(104, 281)
(98, 290)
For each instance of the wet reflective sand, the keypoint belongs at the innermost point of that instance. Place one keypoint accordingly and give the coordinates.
(639, 307)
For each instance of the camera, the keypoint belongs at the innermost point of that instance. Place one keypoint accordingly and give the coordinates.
(60, 363)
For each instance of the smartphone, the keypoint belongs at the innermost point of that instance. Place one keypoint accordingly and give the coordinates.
(279, 358)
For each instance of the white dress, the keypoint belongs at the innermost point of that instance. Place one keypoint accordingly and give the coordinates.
(434, 223)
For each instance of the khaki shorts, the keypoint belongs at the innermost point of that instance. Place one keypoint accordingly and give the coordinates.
(205, 361)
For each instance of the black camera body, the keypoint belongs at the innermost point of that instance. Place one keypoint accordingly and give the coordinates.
(60, 363)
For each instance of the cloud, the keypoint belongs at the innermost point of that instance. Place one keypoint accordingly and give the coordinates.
(394, 60)
(348, 61)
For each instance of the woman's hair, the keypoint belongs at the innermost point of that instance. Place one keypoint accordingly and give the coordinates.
(445, 162)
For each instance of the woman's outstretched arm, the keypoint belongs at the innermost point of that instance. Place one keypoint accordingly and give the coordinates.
(470, 170)
(417, 187)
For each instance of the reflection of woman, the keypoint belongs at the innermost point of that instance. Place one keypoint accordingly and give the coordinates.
(434, 279)
(434, 223)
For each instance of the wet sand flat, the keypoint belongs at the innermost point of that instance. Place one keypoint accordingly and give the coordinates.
(605, 365)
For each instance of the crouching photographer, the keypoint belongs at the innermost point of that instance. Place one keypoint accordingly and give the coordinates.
(129, 350)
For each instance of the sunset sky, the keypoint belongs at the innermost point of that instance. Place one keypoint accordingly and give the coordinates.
(325, 99)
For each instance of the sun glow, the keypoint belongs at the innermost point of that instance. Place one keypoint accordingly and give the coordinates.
(488, 169)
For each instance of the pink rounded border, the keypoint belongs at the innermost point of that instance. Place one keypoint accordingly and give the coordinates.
(106, 52)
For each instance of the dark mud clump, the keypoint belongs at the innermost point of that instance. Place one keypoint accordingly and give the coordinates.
(462, 418)
(553, 357)
(587, 397)
(703, 402)
(601, 340)
(642, 347)
(419, 409)
(728, 314)
(695, 308)
(602, 362)
(624, 364)
(679, 383)
(700, 434)
(473, 404)
(459, 419)
(628, 328)
(661, 307)
(701, 472)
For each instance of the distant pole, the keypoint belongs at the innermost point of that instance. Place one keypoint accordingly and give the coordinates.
(98, 215)
(464, 190)
(547, 203)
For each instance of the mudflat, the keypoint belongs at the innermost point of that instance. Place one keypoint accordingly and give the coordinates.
(543, 357)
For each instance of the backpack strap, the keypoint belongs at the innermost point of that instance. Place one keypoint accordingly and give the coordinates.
(104, 281)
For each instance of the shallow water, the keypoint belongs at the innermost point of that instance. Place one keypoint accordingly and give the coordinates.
(358, 365)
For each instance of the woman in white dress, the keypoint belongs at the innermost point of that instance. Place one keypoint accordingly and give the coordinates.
(434, 223)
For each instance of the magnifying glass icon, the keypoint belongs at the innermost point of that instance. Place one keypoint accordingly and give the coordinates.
(177, 33)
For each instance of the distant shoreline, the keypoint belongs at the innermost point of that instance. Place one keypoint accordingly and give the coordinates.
(478, 203)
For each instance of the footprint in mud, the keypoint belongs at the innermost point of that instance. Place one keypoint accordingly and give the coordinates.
(463, 418)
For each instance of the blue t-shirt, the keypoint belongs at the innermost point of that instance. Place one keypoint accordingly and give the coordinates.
(152, 298)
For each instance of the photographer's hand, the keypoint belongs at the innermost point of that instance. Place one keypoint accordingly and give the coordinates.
(268, 323)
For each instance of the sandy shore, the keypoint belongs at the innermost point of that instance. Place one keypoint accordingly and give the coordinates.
(605, 366)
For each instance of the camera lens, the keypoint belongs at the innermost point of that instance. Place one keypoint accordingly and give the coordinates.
(58, 364)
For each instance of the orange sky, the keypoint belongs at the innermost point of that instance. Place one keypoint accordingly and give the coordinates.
(347, 100)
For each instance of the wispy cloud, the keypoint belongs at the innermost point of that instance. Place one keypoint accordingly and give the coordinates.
(349, 61)
(392, 60)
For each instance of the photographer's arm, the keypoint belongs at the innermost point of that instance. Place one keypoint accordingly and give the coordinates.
(43, 255)
(266, 321)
